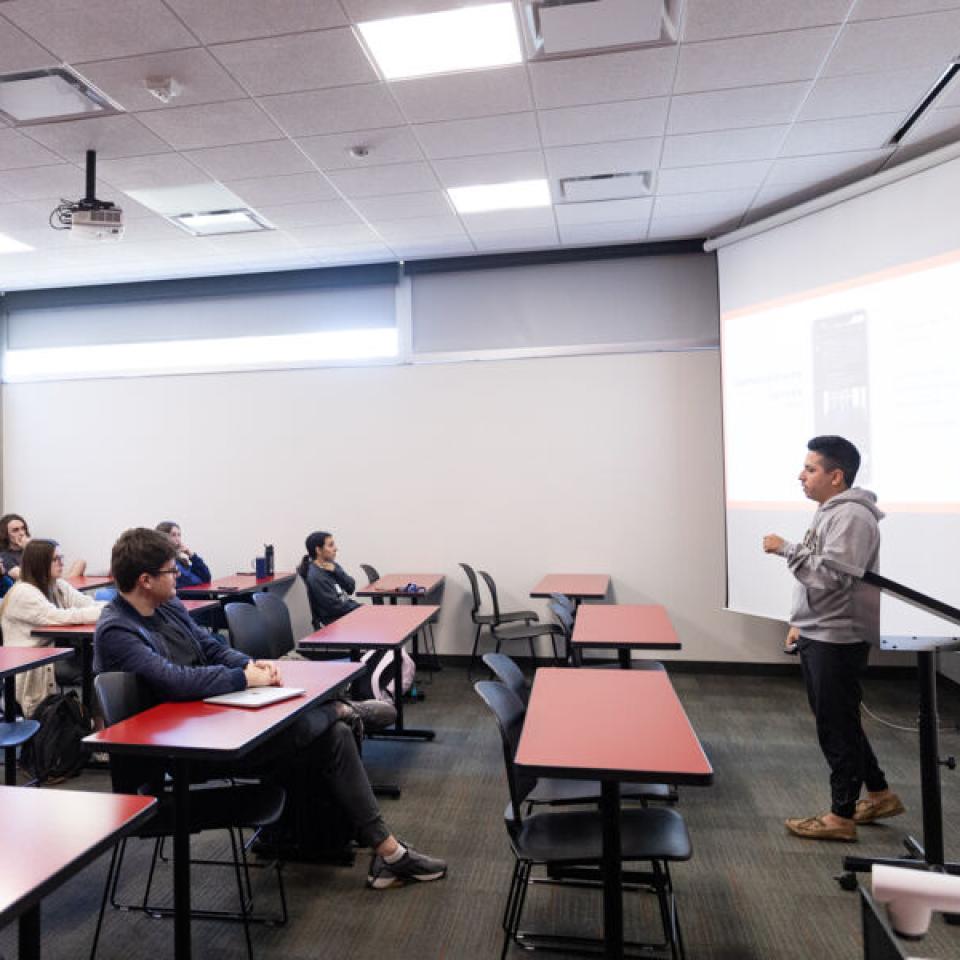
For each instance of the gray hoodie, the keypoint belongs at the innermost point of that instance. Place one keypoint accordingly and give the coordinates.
(830, 606)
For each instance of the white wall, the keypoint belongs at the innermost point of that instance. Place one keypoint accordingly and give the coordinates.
(599, 463)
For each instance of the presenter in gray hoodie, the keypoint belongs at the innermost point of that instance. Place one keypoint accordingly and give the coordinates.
(834, 619)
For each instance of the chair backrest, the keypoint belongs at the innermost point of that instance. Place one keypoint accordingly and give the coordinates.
(563, 612)
(121, 695)
(248, 630)
(474, 589)
(509, 674)
(492, 587)
(372, 575)
(507, 708)
(276, 617)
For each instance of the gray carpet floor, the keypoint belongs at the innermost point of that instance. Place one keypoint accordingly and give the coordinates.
(751, 892)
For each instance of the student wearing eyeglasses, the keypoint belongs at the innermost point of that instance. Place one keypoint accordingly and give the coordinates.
(41, 598)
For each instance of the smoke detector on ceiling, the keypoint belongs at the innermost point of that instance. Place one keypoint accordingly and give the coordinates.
(163, 88)
(565, 28)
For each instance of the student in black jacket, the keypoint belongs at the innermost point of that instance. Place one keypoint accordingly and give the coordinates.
(329, 586)
(147, 631)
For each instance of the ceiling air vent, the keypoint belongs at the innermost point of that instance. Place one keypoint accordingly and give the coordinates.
(564, 28)
(606, 186)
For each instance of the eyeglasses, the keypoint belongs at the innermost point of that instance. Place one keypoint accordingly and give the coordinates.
(160, 573)
(58, 558)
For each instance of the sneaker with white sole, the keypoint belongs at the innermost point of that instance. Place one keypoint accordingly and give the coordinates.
(412, 867)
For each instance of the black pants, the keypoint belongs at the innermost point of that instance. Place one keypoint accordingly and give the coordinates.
(832, 672)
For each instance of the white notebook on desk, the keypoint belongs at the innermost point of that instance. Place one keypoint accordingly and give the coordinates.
(256, 696)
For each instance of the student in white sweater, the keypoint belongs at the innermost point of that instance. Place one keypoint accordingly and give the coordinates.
(41, 598)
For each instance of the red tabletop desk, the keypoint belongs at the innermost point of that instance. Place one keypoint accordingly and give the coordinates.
(49, 835)
(14, 660)
(623, 627)
(614, 726)
(83, 633)
(198, 731)
(371, 628)
(577, 586)
(239, 585)
(89, 583)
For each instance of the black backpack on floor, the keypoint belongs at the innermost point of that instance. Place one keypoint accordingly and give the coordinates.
(55, 752)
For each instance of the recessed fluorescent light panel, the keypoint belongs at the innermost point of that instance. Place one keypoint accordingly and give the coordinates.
(469, 38)
(40, 96)
(486, 197)
(9, 245)
(218, 222)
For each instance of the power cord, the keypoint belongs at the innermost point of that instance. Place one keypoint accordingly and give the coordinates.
(955, 728)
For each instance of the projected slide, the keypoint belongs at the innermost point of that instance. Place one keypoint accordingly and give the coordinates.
(876, 360)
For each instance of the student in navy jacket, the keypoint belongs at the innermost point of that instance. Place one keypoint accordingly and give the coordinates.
(147, 631)
(191, 569)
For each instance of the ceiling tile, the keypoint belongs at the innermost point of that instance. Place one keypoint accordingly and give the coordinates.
(724, 146)
(114, 136)
(301, 61)
(46, 183)
(419, 229)
(153, 230)
(466, 138)
(391, 145)
(515, 240)
(79, 30)
(624, 156)
(216, 21)
(295, 188)
(740, 107)
(606, 211)
(18, 52)
(805, 171)
(143, 173)
(381, 181)
(319, 213)
(17, 150)
(710, 19)
(595, 123)
(746, 61)
(840, 135)
(211, 124)
(878, 9)
(729, 203)
(928, 40)
(721, 176)
(401, 206)
(248, 160)
(457, 96)
(323, 236)
(603, 233)
(435, 248)
(937, 123)
(864, 93)
(200, 77)
(700, 225)
(24, 215)
(361, 10)
(334, 111)
(610, 76)
(367, 253)
(500, 221)
(950, 96)
(495, 168)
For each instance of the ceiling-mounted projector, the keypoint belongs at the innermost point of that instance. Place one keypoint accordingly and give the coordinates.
(89, 218)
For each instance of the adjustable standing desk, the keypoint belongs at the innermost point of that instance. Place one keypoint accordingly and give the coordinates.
(623, 627)
(14, 660)
(614, 726)
(371, 628)
(197, 731)
(49, 835)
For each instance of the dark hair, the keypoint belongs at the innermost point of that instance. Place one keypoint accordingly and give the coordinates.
(838, 453)
(165, 526)
(139, 551)
(316, 539)
(5, 522)
(35, 565)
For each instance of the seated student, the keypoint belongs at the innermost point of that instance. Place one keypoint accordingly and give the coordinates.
(147, 631)
(328, 585)
(191, 569)
(14, 536)
(40, 599)
(6, 581)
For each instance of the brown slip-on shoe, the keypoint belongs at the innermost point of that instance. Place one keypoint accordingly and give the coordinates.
(869, 810)
(816, 828)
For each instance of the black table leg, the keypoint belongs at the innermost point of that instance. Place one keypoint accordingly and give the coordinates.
(181, 860)
(86, 674)
(612, 869)
(30, 934)
(10, 716)
(623, 655)
(399, 730)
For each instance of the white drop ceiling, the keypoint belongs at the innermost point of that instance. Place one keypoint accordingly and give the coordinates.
(762, 104)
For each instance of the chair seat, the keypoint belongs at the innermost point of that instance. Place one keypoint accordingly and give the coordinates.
(220, 807)
(654, 833)
(16, 733)
(523, 632)
(556, 791)
(512, 617)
